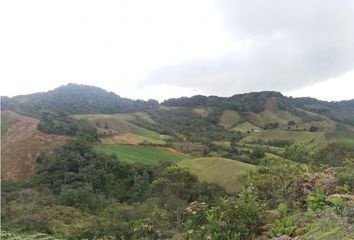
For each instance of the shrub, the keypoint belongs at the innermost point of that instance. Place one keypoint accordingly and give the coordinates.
(284, 224)
(228, 218)
(316, 200)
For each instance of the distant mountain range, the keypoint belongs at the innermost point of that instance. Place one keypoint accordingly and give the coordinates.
(81, 99)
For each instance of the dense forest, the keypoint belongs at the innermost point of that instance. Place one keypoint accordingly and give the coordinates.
(75, 99)
(299, 152)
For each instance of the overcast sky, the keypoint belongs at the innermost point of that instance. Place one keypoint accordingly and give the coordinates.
(162, 48)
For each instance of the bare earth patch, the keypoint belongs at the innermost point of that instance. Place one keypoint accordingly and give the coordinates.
(121, 139)
(171, 150)
(21, 145)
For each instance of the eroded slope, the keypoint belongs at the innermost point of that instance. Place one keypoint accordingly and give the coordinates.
(20, 146)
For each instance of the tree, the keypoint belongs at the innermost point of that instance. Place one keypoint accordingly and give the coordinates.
(313, 128)
(291, 123)
(335, 154)
(176, 187)
(227, 218)
(299, 152)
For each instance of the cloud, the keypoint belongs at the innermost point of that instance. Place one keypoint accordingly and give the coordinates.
(288, 45)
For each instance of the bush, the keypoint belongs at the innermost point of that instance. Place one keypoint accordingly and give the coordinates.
(284, 224)
(316, 200)
(313, 129)
(335, 154)
(228, 218)
(281, 182)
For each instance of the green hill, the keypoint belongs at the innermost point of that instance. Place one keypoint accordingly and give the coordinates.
(267, 119)
(121, 128)
(222, 171)
(277, 134)
(75, 99)
(230, 118)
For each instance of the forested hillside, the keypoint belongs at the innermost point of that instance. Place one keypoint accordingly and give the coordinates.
(79, 162)
(75, 99)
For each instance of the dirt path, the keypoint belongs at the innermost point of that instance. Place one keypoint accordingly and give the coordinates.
(20, 146)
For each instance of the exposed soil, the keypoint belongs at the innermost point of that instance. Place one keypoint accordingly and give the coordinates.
(121, 139)
(171, 150)
(271, 104)
(21, 145)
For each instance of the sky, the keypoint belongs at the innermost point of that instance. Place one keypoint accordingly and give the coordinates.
(171, 48)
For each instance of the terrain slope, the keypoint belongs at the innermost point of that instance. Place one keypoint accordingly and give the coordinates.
(222, 171)
(20, 146)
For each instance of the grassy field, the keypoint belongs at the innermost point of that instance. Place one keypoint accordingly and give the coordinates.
(121, 124)
(266, 117)
(346, 137)
(202, 111)
(222, 171)
(245, 127)
(230, 118)
(141, 154)
(191, 148)
(298, 136)
(6, 121)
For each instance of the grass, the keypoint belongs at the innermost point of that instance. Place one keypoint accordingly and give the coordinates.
(224, 144)
(298, 136)
(6, 121)
(346, 137)
(141, 154)
(204, 112)
(230, 118)
(11, 235)
(325, 125)
(222, 171)
(192, 148)
(266, 117)
(122, 124)
(146, 117)
(244, 127)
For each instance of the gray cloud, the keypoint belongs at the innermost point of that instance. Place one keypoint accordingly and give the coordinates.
(291, 44)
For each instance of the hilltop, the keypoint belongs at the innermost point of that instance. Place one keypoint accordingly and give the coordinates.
(84, 99)
(74, 99)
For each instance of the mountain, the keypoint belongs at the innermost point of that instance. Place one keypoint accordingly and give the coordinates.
(342, 111)
(75, 99)
(83, 99)
(198, 125)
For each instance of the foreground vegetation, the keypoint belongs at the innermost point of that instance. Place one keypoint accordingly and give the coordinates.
(78, 193)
